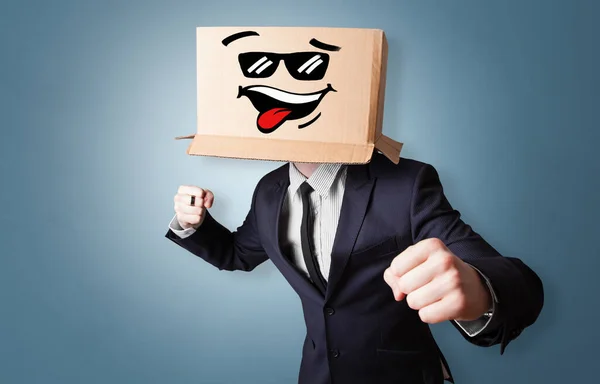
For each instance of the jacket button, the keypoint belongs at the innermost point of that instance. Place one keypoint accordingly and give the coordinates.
(329, 311)
(335, 353)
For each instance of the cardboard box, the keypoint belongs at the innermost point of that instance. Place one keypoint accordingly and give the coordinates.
(295, 94)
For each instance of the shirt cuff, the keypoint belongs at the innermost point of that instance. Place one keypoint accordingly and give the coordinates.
(180, 232)
(475, 327)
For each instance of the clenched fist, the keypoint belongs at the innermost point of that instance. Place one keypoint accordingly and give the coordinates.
(190, 205)
(437, 283)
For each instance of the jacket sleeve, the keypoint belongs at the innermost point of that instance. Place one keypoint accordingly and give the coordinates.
(226, 250)
(518, 289)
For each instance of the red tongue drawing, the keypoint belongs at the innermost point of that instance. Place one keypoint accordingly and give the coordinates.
(273, 117)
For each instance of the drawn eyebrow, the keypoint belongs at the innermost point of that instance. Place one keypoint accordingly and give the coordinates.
(326, 47)
(239, 35)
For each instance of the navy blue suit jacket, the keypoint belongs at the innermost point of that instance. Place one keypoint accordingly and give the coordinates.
(357, 332)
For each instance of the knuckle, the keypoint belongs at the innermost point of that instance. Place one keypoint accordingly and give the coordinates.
(396, 283)
(402, 285)
(386, 275)
(435, 243)
(453, 278)
(445, 260)
(390, 278)
(394, 265)
(412, 301)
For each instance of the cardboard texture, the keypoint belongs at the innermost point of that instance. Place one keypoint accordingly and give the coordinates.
(295, 94)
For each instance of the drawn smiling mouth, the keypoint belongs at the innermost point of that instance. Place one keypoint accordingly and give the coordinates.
(276, 106)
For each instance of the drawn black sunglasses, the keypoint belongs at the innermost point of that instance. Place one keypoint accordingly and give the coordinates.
(301, 65)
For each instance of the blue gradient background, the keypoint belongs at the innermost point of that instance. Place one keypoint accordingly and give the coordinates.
(501, 97)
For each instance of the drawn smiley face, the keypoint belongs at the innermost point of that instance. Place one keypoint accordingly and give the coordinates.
(276, 106)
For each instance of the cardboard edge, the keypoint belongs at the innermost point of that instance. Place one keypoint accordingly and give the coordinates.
(284, 150)
(375, 87)
(382, 58)
(389, 147)
(185, 137)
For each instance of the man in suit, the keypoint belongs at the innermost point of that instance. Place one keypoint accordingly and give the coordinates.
(376, 253)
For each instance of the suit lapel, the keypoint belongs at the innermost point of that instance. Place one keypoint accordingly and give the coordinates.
(357, 194)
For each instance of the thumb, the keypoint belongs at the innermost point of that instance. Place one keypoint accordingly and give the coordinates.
(209, 199)
(391, 280)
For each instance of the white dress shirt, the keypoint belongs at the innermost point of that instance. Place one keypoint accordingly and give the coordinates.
(328, 183)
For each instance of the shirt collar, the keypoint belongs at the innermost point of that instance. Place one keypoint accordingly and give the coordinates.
(321, 180)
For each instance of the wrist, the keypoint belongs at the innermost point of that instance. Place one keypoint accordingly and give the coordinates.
(486, 295)
(482, 302)
(185, 226)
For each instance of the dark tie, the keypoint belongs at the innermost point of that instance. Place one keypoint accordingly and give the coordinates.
(305, 237)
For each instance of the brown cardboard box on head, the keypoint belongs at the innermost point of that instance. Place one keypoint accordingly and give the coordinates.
(299, 94)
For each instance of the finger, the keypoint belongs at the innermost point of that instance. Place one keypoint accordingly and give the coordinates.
(187, 209)
(388, 277)
(407, 260)
(198, 199)
(391, 280)
(415, 255)
(419, 276)
(209, 199)
(182, 198)
(191, 190)
(437, 312)
(427, 294)
(186, 199)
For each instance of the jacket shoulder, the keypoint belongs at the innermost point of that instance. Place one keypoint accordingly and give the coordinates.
(277, 176)
(382, 168)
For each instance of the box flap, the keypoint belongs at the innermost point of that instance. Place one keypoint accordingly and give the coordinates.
(209, 145)
(278, 149)
(389, 147)
(185, 137)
